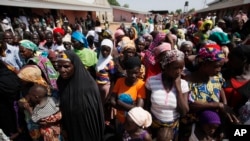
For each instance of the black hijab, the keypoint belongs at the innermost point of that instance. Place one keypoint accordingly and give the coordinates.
(80, 103)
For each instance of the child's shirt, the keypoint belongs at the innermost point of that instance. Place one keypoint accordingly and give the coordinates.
(126, 136)
(103, 76)
(48, 108)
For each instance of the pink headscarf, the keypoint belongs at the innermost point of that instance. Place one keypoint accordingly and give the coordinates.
(149, 54)
(161, 48)
(119, 32)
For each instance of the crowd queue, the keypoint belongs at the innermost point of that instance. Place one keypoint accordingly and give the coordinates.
(82, 82)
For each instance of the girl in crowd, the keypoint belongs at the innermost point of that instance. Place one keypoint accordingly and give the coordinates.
(80, 101)
(165, 92)
(128, 91)
(137, 120)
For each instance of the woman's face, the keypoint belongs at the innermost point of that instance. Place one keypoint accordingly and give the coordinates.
(140, 46)
(35, 39)
(25, 53)
(65, 68)
(67, 45)
(212, 68)
(129, 52)
(187, 50)
(49, 39)
(76, 44)
(58, 38)
(174, 69)
(105, 50)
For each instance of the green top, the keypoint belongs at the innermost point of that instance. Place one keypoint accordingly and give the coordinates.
(87, 56)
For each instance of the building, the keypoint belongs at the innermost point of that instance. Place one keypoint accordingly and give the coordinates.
(122, 14)
(225, 8)
(70, 8)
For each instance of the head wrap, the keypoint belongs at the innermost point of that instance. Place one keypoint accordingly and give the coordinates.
(187, 43)
(220, 38)
(181, 33)
(102, 62)
(59, 30)
(145, 35)
(161, 48)
(210, 22)
(140, 116)
(210, 54)
(209, 117)
(32, 73)
(119, 32)
(66, 38)
(62, 56)
(80, 37)
(29, 45)
(126, 43)
(90, 33)
(149, 55)
(132, 62)
(171, 56)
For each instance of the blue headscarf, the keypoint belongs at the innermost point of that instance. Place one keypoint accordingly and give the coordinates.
(80, 37)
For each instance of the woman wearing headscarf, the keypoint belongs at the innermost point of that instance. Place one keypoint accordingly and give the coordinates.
(167, 96)
(149, 62)
(80, 101)
(31, 75)
(58, 34)
(27, 51)
(87, 56)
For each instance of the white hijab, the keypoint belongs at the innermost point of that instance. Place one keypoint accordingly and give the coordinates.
(102, 62)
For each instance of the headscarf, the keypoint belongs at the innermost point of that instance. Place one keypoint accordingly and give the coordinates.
(149, 54)
(119, 32)
(210, 54)
(140, 116)
(220, 38)
(80, 38)
(32, 73)
(102, 62)
(126, 43)
(161, 48)
(59, 30)
(67, 38)
(80, 95)
(187, 43)
(206, 22)
(171, 56)
(29, 45)
(209, 117)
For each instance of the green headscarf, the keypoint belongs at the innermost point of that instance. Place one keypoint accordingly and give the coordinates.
(29, 45)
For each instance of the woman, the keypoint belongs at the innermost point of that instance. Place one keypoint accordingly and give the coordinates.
(80, 101)
(167, 96)
(27, 51)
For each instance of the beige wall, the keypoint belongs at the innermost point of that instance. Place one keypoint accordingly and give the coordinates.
(125, 16)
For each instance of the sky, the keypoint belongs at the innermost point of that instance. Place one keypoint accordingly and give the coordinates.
(170, 5)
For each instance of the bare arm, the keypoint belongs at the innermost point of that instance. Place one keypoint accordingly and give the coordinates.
(223, 97)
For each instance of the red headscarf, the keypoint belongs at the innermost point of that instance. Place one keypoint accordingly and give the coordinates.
(59, 30)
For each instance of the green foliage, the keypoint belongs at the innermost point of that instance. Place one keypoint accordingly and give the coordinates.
(114, 2)
(126, 5)
(191, 10)
(178, 11)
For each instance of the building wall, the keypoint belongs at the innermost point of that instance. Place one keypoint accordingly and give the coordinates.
(125, 16)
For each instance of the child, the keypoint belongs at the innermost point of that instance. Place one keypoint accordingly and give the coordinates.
(206, 127)
(45, 112)
(136, 120)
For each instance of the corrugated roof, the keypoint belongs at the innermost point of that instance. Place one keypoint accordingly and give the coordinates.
(130, 10)
(68, 5)
(222, 5)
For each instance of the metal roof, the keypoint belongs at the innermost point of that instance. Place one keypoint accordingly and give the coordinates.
(224, 4)
(56, 4)
(129, 10)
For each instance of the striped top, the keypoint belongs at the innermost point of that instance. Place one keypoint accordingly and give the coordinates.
(103, 76)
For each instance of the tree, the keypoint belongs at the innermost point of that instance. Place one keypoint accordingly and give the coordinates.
(126, 5)
(172, 12)
(191, 10)
(114, 2)
(178, 11)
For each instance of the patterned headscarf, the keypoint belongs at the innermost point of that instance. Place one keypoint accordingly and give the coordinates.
(126, 43)
(149, 54)
(29, 45)
(32, 73)
(210, 54)
(171, 56)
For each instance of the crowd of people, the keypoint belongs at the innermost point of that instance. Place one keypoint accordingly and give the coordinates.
(186, 82)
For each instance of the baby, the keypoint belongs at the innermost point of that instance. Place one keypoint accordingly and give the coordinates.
(45, 111)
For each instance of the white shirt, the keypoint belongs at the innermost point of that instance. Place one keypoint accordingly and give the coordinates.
(163, 104)
(57, 47)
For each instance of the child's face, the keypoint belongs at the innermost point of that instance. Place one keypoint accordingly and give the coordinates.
(210, 129)
(105, 50)
(132, 74)
(129, 124)
(213, 68)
